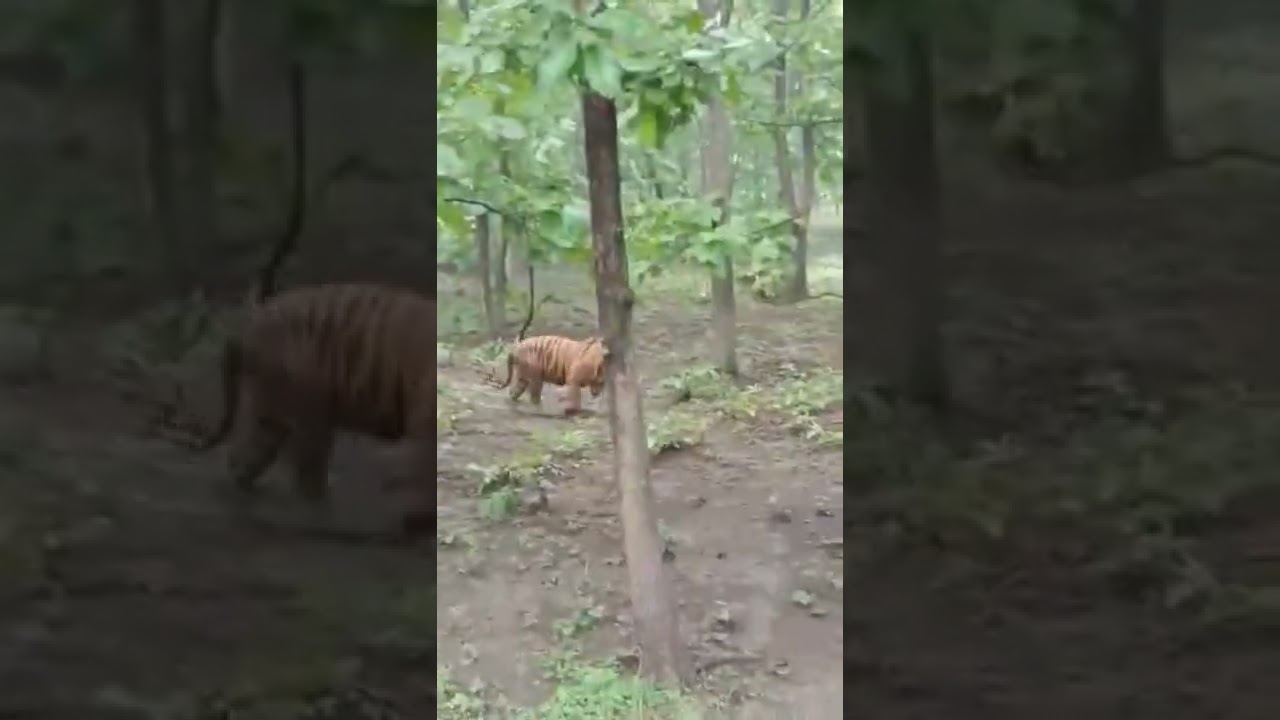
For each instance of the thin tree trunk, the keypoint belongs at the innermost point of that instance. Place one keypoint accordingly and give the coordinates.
(491, 314)
(513, 241)
(808, 187)
(717, 176)
(798, 284)
(651, 169)
(201, 121)
(662, 655)
(1143, 136)
(153, 95)
(500, 275)
(483, 233)
(903, 263)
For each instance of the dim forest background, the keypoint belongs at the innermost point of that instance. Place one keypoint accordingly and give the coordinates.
(1077, 518)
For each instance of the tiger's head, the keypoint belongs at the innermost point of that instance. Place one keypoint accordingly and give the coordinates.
(598, 352)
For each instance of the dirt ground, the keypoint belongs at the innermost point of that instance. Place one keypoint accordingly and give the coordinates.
(752, 512)
(127, 592)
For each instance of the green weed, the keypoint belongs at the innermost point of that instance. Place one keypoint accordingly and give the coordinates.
(583, 621)
(450, 410)
(677, 430)
(490, 352)
(1137, 490)
(698, 383)
(587, 691)
(500, 485)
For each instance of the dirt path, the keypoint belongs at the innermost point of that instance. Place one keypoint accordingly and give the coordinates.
(128, 593)
(752, 513)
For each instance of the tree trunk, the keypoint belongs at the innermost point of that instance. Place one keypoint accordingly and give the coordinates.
(798, 285)
(1143, 133)
(902, 317)
(808, 189)
(499, 265)
(483, 231)
(651, 170)
(491, 314)
(201, 121)
(717, 184)
(153, 105)
(662, 655)
(516, 258)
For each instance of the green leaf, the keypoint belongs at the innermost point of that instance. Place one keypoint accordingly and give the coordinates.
(647, 127)
(491, 62)
(554, 67)
(450, 218)
(448, 162)
(473, 108)
(602, 71)
(693, 21)
(509, 128)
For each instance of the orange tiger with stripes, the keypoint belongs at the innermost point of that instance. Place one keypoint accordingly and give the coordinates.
(311, 361)
(558, 360)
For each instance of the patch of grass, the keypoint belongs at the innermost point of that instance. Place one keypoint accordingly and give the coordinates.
(444, 354)
(490, 352)
(1138, 492)
(500, 504)
(450, 409)
(677, 429)
(807, 394)
(455, 702)
(602, 691)
(501, 485)
(458, 316)
(583, 621)
(565, 443)
(803, 397)
(702, 382)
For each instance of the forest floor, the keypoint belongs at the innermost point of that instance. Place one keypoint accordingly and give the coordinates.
(1096, 537)
(748, 482)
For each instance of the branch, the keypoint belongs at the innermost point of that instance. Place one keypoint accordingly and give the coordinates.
(762, 230)
(799, 123)
(477, 203)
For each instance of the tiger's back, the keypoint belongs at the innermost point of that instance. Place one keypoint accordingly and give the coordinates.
(307, 362)
(361, 354)
(558, 360)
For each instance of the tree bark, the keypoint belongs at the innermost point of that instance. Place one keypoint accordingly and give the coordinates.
(798, 284)
(514, 251)
(483, 232)
(153, 104)
(201, 111)
(717, 184)
(662, 655)
(1143, 133)
(902, 318)
(485, 270)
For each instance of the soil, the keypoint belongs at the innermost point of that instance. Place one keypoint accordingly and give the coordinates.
(128, 591)
(754, 516)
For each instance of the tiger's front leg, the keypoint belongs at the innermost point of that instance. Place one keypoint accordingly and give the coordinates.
(253, 451)
(312, 446)
(572, 400)
(420, 519)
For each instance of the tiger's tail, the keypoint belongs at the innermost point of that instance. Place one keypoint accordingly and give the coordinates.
(511, 365)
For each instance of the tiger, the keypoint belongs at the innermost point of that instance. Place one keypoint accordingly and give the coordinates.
(314, 360)
(558, 360)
